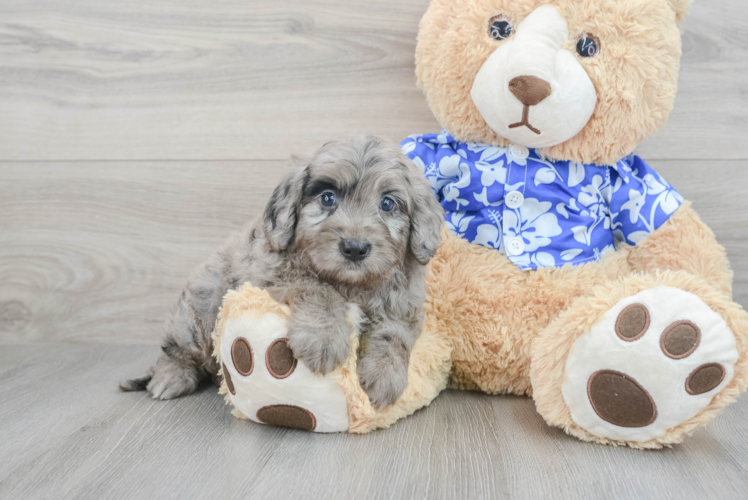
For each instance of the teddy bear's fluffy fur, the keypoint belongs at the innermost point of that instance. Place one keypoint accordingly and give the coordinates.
(501, 309)
(492, 327)
(636, 81)
(512, 330)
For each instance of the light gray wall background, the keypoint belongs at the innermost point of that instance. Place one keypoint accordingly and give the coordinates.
(134, 136)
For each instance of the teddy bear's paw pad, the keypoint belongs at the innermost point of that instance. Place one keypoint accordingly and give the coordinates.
(227, 378)
(279, 359)
(241, 355)
(632, 322)
(268, 385)
(705, 378)
(287, 416)
(652, 362)
(609, 388)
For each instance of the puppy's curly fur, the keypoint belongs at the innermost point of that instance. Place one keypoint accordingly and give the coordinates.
(297, 252)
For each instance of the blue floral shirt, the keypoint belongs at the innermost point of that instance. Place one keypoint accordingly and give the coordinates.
(541, 213)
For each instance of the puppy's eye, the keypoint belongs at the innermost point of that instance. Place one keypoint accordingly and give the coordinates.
(387, 205)
(500, 27)
(327, 198)
(588, 45)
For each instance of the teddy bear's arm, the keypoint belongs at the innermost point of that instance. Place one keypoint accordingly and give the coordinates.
(685, 243)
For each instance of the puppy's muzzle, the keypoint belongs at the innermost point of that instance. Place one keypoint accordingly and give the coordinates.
(355, 250)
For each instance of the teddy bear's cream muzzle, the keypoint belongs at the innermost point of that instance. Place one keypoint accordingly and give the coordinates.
(531, 90)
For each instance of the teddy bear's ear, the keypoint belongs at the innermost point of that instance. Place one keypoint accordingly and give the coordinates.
(681, 8)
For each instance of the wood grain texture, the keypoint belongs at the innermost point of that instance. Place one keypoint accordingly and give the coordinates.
(176, 79)
(67, 433)
(94, 250)
(99, 251)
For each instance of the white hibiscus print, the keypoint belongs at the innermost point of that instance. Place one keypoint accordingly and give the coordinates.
(537, 259)
(592, 204)
(491, 173)
(548, 174)
(669, 200)
(451, 175)
(409, 146)
(483, 198)
(458, 222)
(591, 198)
(533, 222)
(634, 205)
(569, 254)
(452, 190)
(566, 216)
(444, 138)
(599, 254)
(489, 236)
(576, 174)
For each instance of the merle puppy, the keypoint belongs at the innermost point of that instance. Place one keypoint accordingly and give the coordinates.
(357, 225)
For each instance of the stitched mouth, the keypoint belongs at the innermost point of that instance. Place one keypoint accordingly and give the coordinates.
(525, 122)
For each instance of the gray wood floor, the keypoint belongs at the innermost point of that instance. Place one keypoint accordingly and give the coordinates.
(134, 136)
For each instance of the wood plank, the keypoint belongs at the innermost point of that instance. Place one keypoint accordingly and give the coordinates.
(101, 250)
(175, 79)
(98, 251)
(67, 433)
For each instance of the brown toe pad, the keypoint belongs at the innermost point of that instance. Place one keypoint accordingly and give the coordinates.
(279, 359)
(241, 355)
(680, 339)
(633, 322)
(287, 416)
(620, 400)
(227, 377)
(705, 378)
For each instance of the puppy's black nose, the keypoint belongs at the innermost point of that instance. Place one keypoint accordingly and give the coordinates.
(354, 250)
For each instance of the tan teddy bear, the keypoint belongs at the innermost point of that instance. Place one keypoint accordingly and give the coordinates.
(570, 270)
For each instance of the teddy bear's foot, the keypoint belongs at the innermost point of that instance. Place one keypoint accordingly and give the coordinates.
(263, 379)
(652, 362)
(266, 384)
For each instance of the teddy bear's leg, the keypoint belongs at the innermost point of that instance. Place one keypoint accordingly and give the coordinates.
(266, 384)
(641, 361)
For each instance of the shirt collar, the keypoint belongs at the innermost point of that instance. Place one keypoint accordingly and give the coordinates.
(622, 167)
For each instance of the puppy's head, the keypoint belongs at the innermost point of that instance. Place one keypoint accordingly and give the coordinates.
(356, 212)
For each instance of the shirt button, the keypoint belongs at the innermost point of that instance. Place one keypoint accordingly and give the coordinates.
(516, 246)
(514, 199)
(519, 152)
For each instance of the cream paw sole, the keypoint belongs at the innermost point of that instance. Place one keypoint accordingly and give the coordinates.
(266, 384)
(262, 378)
(269, 386)
(652, 362)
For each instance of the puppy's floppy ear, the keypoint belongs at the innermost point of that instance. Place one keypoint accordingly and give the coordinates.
(282, 211)
(426, 217)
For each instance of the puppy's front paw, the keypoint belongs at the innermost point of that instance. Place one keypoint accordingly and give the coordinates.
(322, 348)
(383, 371)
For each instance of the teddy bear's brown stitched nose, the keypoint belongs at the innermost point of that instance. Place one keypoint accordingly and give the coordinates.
(530, 90)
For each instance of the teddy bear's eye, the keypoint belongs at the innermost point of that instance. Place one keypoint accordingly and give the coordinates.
(588, 45)
(500, 27)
